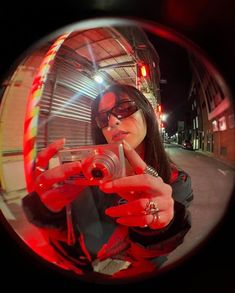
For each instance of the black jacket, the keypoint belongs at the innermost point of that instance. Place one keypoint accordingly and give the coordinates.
(88, 229)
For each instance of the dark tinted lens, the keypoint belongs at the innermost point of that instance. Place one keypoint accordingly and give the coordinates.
(122, 110)
(97, 173)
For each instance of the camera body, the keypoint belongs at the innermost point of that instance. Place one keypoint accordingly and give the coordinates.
(99, 163)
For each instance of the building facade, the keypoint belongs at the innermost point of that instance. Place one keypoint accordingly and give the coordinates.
(212, 116)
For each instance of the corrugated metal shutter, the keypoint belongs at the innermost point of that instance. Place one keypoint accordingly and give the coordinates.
(65, 106)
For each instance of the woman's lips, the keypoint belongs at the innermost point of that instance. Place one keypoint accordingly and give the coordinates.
(119, 136)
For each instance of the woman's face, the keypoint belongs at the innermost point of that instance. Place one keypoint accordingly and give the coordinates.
(133, 128)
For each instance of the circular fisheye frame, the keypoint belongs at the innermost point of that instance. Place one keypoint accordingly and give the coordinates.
(134, 226)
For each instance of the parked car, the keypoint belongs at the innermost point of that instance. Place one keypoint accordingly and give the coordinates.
(186, 144)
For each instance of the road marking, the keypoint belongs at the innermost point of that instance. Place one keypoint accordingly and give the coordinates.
(222, 171)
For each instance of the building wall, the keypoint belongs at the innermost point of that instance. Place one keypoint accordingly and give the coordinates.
(216, 113)
(12, 113)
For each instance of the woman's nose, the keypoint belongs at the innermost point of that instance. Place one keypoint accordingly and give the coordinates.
(113, 121)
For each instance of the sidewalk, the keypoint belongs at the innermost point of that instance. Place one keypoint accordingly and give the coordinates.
(211, 155)
(208, 154)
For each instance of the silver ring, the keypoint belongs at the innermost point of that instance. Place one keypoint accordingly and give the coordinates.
(151, 208)
(41, 187)
(151, 171)
(41, 169)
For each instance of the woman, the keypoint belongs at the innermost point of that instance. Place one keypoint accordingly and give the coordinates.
(131, 221)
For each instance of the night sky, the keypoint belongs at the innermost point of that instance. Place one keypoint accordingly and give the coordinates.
(175, 69)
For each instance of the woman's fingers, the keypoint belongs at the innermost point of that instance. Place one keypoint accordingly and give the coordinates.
(135, 221)
(145, 221)
(144, 183)
(45, 155)
(155, 213)
(137, 164)
(135, 207)
(56, 175)
(140, 207)
(56, 198)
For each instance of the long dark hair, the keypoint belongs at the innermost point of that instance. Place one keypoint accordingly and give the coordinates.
(154, 154)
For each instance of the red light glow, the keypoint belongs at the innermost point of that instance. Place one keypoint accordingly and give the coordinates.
(143, 71)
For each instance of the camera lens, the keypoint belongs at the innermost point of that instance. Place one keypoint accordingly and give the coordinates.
(97, 173)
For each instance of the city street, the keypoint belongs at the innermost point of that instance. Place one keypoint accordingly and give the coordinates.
(212, 184)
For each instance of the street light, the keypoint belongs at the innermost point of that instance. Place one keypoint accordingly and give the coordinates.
(164, 117)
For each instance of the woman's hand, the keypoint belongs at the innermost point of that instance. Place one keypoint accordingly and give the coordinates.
(49, 183)
(150, 202)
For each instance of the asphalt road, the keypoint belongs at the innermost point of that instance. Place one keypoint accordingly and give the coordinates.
(212, 184)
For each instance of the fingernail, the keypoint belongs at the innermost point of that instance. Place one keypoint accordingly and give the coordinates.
(111, 212)
(107, 212)
(126, 145)
(63, 142)
(121, 221)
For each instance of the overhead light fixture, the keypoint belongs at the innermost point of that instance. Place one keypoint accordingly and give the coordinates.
(98, 78)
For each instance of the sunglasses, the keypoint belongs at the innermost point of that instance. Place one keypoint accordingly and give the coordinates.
(122, 110)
